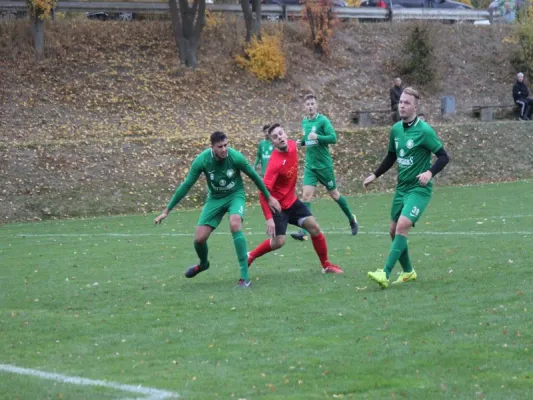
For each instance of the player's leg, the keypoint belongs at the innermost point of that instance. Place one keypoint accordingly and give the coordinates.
(210, 217)
(236, 208)
(300, 215)
(280, 220)
(308, 191)
(326, 176)
(380, 276)
(404, 259)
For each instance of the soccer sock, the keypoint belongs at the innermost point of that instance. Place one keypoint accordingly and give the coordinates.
(308, 205)
(242, 253)
(321, 247)
(262, 249)
(343, 204)
(405, 261)
(201, 250)
(398, 246)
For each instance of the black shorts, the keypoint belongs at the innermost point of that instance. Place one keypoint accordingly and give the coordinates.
(293, 215)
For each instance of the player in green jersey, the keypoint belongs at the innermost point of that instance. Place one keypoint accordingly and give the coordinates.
(222, 167)
(411, 144)
(318, 134)
(264, 150)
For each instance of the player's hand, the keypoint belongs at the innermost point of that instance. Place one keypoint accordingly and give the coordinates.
(270, 228)
(161, 217)
(312, 136)
(274, 204)
(425, 177)
(369, 179)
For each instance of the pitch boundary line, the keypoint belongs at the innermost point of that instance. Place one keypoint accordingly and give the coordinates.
(152, 393)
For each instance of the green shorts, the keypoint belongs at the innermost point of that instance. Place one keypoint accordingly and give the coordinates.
(214, 209)
(411, 204)
(326, 176)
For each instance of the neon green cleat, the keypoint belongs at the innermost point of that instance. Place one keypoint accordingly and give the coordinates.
(406, 277)
(380, 277)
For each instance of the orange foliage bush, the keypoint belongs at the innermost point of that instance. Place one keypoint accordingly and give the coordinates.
(41, 8)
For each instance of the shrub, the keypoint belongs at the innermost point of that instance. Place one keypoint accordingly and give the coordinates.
(264, 58)
(41, 8)
(320, 20)
(418, 63)
(522, 36)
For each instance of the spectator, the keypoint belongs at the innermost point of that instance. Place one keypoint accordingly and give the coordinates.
(395, 93)
(509, 14)
(521, 97)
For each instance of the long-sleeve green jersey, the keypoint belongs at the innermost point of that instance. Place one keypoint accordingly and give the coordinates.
(264, 151)
(413, 147)
(317, 154)
(223, 176)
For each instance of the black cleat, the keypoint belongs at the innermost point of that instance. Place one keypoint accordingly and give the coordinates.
(301, 236)
(354, 225)
(191, 272)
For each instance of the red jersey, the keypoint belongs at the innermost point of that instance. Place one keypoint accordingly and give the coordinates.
(280, 178)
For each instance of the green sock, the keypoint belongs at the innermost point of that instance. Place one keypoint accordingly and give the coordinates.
(201, 250)
(242, 253)
(398, 246)
(405, 262)
(343, 204)
(308, 204)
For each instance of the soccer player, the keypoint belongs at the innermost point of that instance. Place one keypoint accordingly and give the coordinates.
(280, 179)
(318, 135)
(222, 167)
(411, 143)
(264, 150)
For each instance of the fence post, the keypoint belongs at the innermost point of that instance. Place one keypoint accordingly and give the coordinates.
(284, 8)
(491, 15)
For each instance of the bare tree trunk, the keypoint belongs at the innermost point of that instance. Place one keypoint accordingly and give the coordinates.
(252, 18)
(38, 36)
(187, 24)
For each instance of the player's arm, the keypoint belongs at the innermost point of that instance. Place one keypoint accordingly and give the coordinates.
(254, 176)
(328, 136)
(385, 165)
(433, 144)
(183, 189)
(269, 179)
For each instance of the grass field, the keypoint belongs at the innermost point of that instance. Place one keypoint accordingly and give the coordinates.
(104, 303)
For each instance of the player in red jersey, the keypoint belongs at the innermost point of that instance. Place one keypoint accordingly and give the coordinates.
(280, 179)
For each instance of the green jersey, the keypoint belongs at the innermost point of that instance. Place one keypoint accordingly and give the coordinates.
(223, 176)
(264, 151)
(317, 154)
(413, 147)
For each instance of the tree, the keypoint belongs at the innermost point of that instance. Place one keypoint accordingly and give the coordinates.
(320, 19)
(39, 11)
(252, 18)
(188, 20)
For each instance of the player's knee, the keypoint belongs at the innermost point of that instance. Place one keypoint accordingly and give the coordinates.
(235, 223)
(335, 195)
(277, 242)
(314, 229)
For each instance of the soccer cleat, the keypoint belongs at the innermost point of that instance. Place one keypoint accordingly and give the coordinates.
(301, 236)
(191, 272)
(354, 225)
(250, 259)
(380, 277)
(330, 268)
(406, 277)
(243, 283)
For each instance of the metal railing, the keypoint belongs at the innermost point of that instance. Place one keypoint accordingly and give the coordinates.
(271, 10)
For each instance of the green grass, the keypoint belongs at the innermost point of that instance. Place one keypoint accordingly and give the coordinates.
(106, 299)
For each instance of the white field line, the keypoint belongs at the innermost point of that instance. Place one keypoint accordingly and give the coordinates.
(153, 394)
(191, 234)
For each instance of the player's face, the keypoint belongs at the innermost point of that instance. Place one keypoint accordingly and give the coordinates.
(220, 149)
(407, 107)
(310, 107)
(279, 138)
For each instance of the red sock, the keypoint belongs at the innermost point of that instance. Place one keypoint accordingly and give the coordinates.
(262, 249)
(321, 247)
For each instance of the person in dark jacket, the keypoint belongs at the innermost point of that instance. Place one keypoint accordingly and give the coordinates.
(395, 93)
(521, 97)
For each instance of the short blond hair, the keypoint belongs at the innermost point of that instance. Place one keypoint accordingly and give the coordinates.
(412, 92)
(309, 96)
